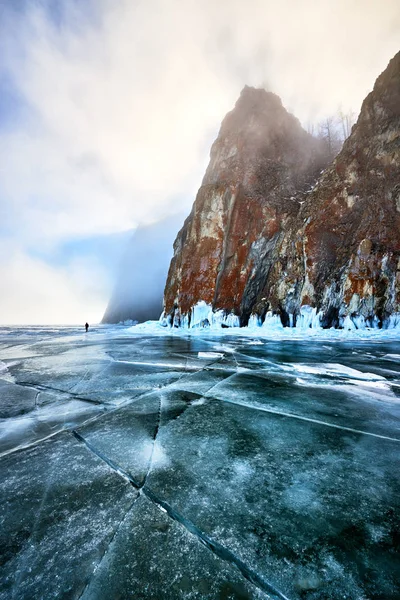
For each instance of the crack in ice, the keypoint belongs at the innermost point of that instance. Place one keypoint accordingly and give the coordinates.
(215, 547)
(156, 430)
(122, 520)
(122, 472)
(108, 408)
(22, 568)
(302, 418)
(40, 387)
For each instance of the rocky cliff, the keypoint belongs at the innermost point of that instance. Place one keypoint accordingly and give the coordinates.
(261, 159)
(265, 234)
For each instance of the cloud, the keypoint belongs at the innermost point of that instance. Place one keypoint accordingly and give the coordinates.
(115, 103)
(34, 292)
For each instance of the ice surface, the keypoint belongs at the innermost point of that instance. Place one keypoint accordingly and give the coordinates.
(210, 355)
(60, 506)
(157, 463)
(289, 499)
(153, 556)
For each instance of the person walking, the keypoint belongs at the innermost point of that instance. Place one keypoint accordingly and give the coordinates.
(86, 326)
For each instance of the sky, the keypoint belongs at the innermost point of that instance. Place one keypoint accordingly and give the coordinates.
(108, 109)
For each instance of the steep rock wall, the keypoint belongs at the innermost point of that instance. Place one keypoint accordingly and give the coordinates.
(259, 239)
(342, 256)
(261, 159)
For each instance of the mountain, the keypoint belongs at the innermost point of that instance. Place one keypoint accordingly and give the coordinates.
(351, 237)
(261, 159)
(265, 234)
(138, 291)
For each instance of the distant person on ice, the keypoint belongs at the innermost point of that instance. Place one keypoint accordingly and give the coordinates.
(86, 326)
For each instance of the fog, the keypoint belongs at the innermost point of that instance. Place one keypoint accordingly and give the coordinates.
(108, 109)
(140, 281)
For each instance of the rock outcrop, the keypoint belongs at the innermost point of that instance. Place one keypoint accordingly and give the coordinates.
(259, 162)
(259, 239)
(343, 255)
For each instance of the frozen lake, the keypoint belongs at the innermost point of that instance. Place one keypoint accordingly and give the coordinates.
(216, 465)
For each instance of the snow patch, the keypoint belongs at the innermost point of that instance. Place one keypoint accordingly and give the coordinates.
(242, 469)
(224, 348)
(199, 401)
(378, 385)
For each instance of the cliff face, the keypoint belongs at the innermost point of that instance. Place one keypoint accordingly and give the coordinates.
(343, 255)
(259, 162)
(258, 240)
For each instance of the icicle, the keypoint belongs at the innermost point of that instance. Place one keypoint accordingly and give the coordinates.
(272, 321)
(254, 322)
(308, 318)
(348, 324)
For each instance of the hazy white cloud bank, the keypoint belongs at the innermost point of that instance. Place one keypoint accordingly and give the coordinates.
(119, 100)
(30, 286)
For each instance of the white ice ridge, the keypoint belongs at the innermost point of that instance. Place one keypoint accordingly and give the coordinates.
(332, 369)
(167, 365)
(369, 381)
